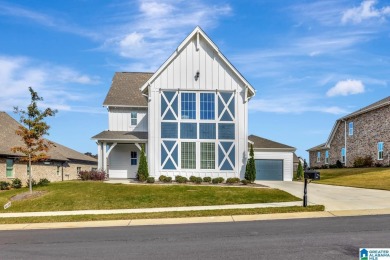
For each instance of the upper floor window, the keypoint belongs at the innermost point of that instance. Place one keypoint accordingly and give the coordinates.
(207, 106)
(326, 157)
(350, 128)
(318, 156)
(380, 151)
(188, 106)
(343, 154)
(133, 118)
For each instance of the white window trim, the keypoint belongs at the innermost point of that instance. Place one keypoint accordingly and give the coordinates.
(318, 157)
(380, 151)
(350, 129)
(326, 157)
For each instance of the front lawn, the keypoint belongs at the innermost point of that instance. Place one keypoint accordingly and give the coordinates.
(370, 178)
(78, 195)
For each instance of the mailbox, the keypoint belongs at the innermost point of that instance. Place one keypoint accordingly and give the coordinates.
(313, 175)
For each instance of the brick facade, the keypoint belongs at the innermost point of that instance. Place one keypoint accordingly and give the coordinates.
(369, 128)
(39, 170)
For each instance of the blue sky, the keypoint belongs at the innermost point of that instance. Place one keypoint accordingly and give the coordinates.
(311, 62)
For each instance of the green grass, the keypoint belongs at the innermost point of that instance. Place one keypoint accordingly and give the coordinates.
(77, 195)
(370, 178)
(179, 214)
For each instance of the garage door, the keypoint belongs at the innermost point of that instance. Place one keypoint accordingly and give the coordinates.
(270, 170)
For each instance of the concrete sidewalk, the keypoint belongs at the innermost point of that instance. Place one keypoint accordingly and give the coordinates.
(192, 220)
(149, 210)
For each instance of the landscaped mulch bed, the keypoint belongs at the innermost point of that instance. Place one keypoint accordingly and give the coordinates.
(28, 195)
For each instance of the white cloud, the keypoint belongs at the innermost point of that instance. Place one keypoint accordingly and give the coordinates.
(366, 11)
(346, 87)
(53, 82)
(158, 28)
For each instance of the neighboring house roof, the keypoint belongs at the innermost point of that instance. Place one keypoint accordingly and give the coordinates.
(198, 32)
(262, 143)
(9, 139)
(295, 158)
(121, 136)
(376, 105)
(125, 90)
(317, 148)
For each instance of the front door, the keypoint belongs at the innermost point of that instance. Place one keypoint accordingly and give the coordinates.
(132, 172)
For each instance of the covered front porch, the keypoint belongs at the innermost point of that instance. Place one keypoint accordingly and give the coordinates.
(119, 152)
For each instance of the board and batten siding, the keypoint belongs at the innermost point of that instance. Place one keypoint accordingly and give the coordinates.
(119, 119)
(287, 157)
(214, 74)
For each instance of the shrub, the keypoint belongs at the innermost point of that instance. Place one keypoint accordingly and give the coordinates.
(93, 175)
(192, 178)
(143, 173)
(339, 164)
(16, 183)
(379, 165)
(168, 179)
(198, 180)
(232, 180)
(43, 182)
(207, 179)
(299, 171)
(4, 185)
(181, 179)
(150, 180)
(217, 180)
(365, 161)
(333, 166)
(162, 178)
(33, 183)
(250, 170)
(245, 182)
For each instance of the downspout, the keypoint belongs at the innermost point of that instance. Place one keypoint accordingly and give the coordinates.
(62, 171)
(345, 142)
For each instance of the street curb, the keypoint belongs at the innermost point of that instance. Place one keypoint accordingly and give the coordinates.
(192, 220)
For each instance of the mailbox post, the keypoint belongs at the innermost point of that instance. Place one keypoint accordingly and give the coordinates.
(309, 175)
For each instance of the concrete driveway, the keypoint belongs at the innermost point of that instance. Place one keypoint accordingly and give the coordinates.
(335, 197)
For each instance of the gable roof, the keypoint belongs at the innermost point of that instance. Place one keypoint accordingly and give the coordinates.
(317, 148)
(376, 105)
(125, 90)
(262, 143)
(8, 126)
(373, 106)
(198, 32)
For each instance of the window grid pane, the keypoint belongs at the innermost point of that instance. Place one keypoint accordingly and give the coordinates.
(188, 155)
(133, 158)
(207, 106)
(133, 118)
(207, 151)
(188, 106)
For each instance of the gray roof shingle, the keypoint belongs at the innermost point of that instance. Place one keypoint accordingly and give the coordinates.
(125, 89)
(259, 143)
(380, 103)
(121, 135)
(8, 139)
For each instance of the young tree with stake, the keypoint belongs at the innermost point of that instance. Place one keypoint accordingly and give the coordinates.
(31, 131)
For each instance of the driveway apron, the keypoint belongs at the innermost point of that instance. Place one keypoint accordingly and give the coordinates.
(335, 197)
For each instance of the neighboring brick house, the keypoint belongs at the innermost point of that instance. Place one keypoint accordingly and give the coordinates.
(365, 132)
(64, 163)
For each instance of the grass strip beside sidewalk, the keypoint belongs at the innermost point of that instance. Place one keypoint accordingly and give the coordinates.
(177, 214)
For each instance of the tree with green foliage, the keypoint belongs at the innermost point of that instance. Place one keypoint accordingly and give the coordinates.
(143, 172)
(32, 130)
(250, 171)
(299, 171)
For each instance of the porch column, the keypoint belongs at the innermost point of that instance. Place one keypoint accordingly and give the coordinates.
(100, 155)
(104, 159)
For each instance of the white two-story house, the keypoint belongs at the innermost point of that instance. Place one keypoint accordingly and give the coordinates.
(191, 115)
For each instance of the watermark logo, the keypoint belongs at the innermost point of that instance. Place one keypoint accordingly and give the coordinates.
(374, 253)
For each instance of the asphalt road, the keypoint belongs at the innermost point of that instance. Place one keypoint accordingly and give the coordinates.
(321, 238)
